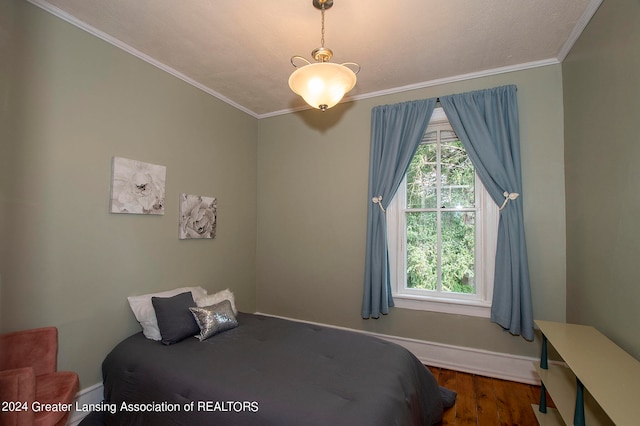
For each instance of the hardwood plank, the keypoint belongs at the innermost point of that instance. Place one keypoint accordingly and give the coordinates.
(525, 398)
(447, 378)
(435, 371)
(486, 399)
(466, 405)
(511, 397)
(502, 402)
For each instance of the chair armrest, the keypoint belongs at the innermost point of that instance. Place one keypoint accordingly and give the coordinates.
(18, 392)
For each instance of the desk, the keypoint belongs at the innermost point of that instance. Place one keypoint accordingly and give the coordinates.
(599, 383)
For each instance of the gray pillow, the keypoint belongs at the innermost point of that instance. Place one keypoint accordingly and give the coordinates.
(174, 318)
(214, 319)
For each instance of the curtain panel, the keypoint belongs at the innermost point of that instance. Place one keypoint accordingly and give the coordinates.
(487, 123)
(396, 132)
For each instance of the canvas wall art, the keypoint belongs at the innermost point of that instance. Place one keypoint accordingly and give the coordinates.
(137, 187)
(197, 217)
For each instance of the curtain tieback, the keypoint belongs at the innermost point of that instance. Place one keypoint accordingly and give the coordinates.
(508, 197)
(378, 200)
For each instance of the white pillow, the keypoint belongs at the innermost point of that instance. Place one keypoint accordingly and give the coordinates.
(212, 299)
(145, 314)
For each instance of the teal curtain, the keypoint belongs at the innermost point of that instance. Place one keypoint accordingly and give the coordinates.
(487, 123)
(396, 131)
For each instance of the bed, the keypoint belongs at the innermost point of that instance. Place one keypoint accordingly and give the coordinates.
(270, 371)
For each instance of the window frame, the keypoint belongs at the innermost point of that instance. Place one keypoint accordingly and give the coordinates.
(487, 217)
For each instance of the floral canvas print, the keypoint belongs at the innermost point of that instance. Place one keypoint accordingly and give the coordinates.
(197, 217)
(137, 187)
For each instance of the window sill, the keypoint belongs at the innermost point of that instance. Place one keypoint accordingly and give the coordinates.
(447, 306)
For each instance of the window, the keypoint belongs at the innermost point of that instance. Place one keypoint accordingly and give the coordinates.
(442, 229)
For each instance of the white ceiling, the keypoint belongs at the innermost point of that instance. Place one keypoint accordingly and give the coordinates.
(240, 50)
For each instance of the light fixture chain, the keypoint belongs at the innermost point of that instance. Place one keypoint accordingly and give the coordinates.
(322, 39)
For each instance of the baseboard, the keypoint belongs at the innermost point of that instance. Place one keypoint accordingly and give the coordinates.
(498, 365)
(85, 398)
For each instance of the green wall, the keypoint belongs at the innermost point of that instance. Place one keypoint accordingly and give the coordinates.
(74, 102)
(602, 154)
(312, 201)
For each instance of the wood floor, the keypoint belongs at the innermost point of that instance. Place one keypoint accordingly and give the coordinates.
(484, 401)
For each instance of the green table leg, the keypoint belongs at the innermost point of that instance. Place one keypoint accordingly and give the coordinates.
(543, 356)
(578, 415)
(544, 365)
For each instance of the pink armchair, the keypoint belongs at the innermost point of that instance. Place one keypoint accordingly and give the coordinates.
(29, 379)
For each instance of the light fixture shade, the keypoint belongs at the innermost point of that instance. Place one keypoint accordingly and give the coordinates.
(322, 84)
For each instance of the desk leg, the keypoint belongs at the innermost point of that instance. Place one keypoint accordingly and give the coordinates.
(544, 365)
(543, 399)
(543, 355)
(578, 416)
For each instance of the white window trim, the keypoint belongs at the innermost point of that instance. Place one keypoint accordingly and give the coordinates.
(478, 305)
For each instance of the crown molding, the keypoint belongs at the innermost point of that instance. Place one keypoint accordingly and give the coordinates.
(575, 34)
(589, 12)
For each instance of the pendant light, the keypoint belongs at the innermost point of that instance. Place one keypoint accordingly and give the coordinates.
(322, 84)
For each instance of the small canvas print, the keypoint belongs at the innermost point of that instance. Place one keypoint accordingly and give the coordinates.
(137, 187)
(197, 217)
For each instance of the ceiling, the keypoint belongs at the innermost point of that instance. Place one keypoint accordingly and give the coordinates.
(240, 50)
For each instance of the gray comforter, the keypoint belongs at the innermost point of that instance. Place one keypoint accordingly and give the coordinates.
(269, 371)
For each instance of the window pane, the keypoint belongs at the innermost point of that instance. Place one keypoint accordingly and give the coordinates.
(458, 175)
(421, 178)
(458, 252)
(422, 250)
